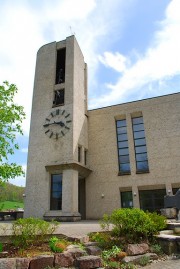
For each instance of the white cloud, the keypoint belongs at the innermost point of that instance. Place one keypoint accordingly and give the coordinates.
(24, 150)
(116, 61)
(160, 63)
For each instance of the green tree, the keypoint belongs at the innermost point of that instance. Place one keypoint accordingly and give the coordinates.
(11, 117)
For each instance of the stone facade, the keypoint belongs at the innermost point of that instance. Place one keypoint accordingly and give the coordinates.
(86, 156)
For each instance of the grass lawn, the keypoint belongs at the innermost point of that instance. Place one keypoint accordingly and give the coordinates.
(10, 205)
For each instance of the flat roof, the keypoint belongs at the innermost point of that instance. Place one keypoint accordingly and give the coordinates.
(136, 101)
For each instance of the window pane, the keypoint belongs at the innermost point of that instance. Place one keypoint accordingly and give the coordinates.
(139, 127)
(137, 120)
(124, 167)
(140, 134)
(122, 130)
(141, 149)
(56, 192)
(121, 123)
(122, 137)
(123, 144)
(141, 157)
(142, 166)
(140, 142)
(124, 159)
(124, 151)
(126, 199)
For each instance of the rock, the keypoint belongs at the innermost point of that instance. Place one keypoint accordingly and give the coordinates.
(76, 252)
(88, 262)
(137, 249)
(8, 263)
(22, 263)
(169, 213)
(137, 258)
(3, 254)
(41, 262)
(93, 250)
(88, 244)
(72, 247)
(64, 259)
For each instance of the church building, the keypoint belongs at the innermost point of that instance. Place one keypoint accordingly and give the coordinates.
(84, 163)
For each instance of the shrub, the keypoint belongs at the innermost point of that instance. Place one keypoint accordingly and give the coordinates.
(103, 239)
(57, 245)
(157, 249)
(30, 231)
(159, 221)
(133, 223)
(1, 247)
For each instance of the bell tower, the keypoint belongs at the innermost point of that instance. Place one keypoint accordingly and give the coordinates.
(58, 145)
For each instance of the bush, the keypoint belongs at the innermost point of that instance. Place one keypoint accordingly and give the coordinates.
(30, 231)
(134, 223)
(103, 239)
(159, 221)
(1, 247)
(57, 245)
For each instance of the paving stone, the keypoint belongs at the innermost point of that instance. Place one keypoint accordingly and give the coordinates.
(8, 263)
(88, 262)
(40, 262)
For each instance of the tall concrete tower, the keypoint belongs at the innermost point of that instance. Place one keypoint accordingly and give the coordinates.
(58, 145)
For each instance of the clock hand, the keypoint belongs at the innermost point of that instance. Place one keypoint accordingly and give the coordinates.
(55, 122)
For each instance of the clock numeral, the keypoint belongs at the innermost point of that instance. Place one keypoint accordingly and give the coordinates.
(47, 131)
(56, 135)
(51, 135)
(52, 114)
(63, 112)
(67, 115)
(57, 111)
(67, 127)
(68, 121)
(47, 119)
(62, 133)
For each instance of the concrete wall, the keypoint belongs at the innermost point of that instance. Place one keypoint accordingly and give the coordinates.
(162, 128)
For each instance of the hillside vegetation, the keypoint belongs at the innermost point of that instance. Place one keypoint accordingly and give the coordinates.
(11, 196)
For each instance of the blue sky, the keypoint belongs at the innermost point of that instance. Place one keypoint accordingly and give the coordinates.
(132, 48)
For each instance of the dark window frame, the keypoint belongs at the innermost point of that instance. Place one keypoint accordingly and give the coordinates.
(58, 205)
(140, 149)
(122, 139)
(59, 100)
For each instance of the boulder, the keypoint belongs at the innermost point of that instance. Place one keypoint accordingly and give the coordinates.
(88, 262)
(93, 250)
(64, 259)
(137, 258)
(76, 252)
(22, 263)
(137, 249)
(8, 263)
(41, 262)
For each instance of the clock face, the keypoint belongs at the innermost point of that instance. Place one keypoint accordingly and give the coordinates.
(57, 124)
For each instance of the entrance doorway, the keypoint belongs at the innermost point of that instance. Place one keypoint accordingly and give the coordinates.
(82, 198)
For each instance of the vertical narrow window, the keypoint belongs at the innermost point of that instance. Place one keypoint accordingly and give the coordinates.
(123, 149)
(56, 192)
(85, 157)
(58, 97)
(79, 154)
(140, 145)
(60, 66)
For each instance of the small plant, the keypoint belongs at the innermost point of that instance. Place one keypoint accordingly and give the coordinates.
(103, 239)
(144, 261)
(30, 231)
(111, 254)
(1, 247)
(112, 265)
(57, 245)
(156, 248)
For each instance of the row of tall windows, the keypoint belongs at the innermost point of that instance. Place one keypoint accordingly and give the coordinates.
(139, 146)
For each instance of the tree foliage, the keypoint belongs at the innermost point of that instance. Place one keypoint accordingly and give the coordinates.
(11, 117)
(10, 192)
